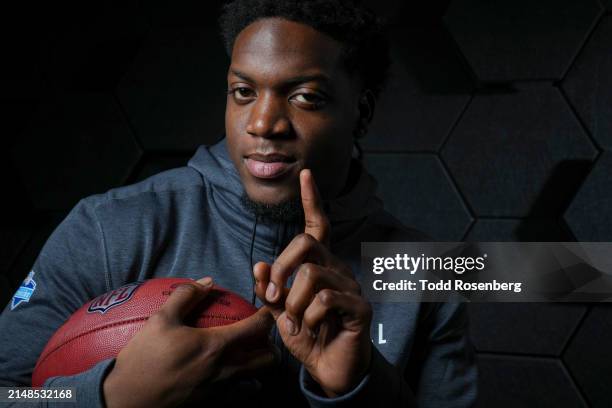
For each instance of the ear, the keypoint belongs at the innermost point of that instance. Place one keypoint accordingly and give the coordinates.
(366, 105)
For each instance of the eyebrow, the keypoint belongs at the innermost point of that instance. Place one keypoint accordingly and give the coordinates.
(291, 81)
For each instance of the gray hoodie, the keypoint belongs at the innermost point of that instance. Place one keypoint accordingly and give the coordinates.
(190, 222)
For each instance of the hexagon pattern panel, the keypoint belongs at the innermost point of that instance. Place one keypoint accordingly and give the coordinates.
(192, 13)
(91, 53)
(518, 154)
(18, 203)
(523, 328)
(12, 241)
(153, 164)
(511, 40)
(510, 382)
(417, 190)
(407, 13)
(589, 86)
(523, 229)
(589, 354)
(589, 215)
(495, 126)
(6, 291)
(175, 90)
(77, 145)
(430, 81)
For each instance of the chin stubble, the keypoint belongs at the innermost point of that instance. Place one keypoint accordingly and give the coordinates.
(286, 211)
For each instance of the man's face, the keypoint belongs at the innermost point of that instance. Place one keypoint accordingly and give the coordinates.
(291, 105)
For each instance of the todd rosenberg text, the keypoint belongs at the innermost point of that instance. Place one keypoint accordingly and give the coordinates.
(445, 285)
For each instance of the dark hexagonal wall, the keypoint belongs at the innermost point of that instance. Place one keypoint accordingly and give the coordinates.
(12, 241)
(522, 328)
(174, 93)
(77, 145)
(510, 40)
(20, 38)
(417, 190)
(589, 215)
(6, 291)
(408, 13)
(508, 381)
(589, 86)
(17, 205)
(16, 112)
(518, 154)
(518, 229)
(91, 53)
(495, 127)
(153, 163)
(428, 78)
(589, 354)
(192, 13)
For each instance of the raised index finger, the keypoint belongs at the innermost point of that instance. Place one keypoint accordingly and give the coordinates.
(316, 222)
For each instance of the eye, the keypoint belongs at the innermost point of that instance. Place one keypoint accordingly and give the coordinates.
(242, 94)
(309, 100)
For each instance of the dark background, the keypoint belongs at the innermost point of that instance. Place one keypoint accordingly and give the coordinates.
(496, 126)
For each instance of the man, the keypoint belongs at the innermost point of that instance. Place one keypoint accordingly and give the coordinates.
(281, 189)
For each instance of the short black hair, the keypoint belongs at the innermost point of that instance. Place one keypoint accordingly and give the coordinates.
(359, 29)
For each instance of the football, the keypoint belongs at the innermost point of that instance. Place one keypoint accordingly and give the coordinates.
(103, 326)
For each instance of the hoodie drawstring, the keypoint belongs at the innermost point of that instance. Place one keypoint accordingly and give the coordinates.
(251, 257)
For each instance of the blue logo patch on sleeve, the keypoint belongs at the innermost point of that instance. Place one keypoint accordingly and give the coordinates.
(25, 291)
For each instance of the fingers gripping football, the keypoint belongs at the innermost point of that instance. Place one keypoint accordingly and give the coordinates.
(167, 360)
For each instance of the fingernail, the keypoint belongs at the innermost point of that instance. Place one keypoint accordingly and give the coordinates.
(290, 326)
(271, 292)
(206, 282)
(186, 287)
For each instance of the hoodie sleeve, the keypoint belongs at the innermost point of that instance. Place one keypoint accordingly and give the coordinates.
(441, 373)
(382, 386)
(70, 270)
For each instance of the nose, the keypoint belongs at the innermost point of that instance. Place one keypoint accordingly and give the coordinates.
(268, 117)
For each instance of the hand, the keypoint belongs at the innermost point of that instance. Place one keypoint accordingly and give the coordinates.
(167, 361)
(323, 320)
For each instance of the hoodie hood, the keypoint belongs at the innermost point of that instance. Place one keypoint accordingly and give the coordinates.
(226, 191)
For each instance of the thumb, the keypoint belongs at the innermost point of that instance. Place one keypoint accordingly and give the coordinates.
(252, 328)
(184, 299)
(261, 271)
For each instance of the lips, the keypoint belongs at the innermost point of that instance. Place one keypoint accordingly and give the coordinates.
(269, 166)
